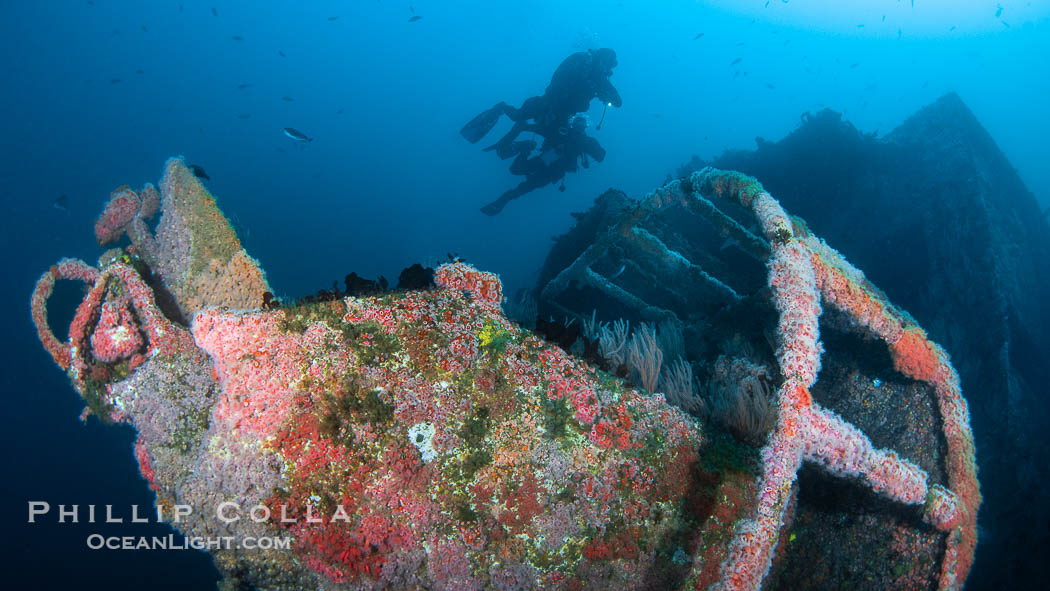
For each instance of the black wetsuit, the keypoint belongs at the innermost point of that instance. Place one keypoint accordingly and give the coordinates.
(581, 77)
(568, 150)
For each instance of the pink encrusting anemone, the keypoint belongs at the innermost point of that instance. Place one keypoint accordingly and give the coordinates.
(802, 271)
(69, 269)
(396, 455)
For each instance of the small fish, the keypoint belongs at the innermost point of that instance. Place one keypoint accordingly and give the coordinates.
(237, 38)
(899, 32)
(618, 273)
(140, 71)
(860, 26)
(884, 18)
(199, 172)
(244, 85)
(339, 112)
(698, 35)
(951, 29)
(770, 86)
(736, 61)
(287, 99)
(1005, 24)
(297, 135)
(244, 116)
(729, 243)
(61, 202)
(114, 32)
(767, 4)
(998, 10)
(854, 65)
(214, 12)
(281, 53)
(114, 80)
(144, 28)
(413, 19)
(333, 18)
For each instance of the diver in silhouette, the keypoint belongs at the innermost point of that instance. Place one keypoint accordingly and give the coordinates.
(580, 78)
(559, 155)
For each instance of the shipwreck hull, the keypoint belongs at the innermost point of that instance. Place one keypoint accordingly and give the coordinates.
(420, 439)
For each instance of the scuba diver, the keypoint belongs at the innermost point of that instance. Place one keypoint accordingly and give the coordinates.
(580, 78)
(559, 155)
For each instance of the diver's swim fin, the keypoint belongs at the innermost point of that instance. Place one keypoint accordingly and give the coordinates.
(482, 124)
(492, 208)
(497, 206)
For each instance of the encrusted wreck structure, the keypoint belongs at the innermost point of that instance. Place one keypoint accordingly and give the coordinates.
(420, 439)
(663, 260)
(937, 217)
